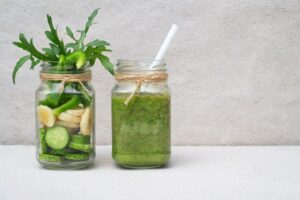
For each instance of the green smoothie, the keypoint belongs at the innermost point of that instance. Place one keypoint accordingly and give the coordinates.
(141, 130)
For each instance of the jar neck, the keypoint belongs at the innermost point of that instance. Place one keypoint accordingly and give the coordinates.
(140, 66)
(53, 68)
(155, 76)
(130, 82)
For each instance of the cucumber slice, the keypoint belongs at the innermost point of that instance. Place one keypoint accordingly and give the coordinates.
(77, 156)
(57, 152)
(57, 137)
(81, 147)
(80, 139)
(42, 139)
(62, 152)
(49, 158)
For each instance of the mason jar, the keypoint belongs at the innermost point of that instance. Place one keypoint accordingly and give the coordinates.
(65, 109)
(141, 114)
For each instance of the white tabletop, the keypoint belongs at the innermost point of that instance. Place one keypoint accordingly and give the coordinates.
(212, 173)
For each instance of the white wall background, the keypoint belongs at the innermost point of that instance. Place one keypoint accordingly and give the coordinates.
(234, 65)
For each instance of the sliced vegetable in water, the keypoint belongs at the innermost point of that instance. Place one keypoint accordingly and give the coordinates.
(67, 124)
(49, 158)
(62, 151)
(85, 98)
(76, 111)
(80, 139)
(69, 118)
(52, 100)
(77, 156)
(42, 139)
(72, 103)
(81, 147)
(55, 100)
(57, 137)
(45, 115)
(86, 122)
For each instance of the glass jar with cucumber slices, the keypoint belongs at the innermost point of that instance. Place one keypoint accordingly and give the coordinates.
(65, 118)
(65, 99)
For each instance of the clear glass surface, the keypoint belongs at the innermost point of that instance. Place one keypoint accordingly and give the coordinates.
(65, 123)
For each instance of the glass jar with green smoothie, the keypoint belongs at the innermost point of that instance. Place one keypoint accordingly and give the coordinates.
(141, 114)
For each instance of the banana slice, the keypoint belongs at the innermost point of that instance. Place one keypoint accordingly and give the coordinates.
(86, 122)
(68, 118)
(67, 124)
(46, 115)
(76, 112)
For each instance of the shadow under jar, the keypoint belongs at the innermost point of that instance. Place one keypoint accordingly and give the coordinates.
(141, 114)
(65, 110)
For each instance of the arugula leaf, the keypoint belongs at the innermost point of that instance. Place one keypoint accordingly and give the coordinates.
(91, 55)
(34, 62)
(93, 52)
(19, 64)
(70, 33)
(97, 43)
(55, 49)
(106, 63)
(86, 29)
(58, 54)
(86, 98)
(29, 46)
(90, 20)
(50, 53)
(72, 46)
(53, 36)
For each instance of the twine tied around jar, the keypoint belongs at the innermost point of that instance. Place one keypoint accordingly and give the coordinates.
(86, 76)
(139, 80)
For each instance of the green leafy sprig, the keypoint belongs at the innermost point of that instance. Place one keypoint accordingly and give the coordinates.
(60, 55)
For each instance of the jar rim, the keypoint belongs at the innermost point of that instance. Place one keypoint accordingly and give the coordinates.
(141, 65)
(51, 67)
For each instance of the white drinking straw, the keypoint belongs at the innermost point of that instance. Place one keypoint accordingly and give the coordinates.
(163, 48)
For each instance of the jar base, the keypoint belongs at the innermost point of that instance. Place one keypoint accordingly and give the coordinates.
(142, 161)
(67, 165)
(145, 167)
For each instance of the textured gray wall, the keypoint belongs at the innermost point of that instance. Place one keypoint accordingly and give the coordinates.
(234, 64)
